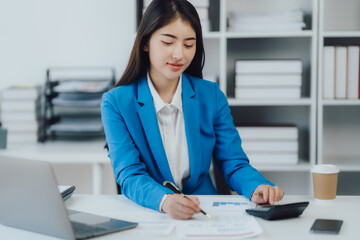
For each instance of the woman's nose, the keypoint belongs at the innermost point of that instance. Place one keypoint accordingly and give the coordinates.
(178, 52)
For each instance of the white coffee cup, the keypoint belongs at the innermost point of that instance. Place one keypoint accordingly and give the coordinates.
(325, 178)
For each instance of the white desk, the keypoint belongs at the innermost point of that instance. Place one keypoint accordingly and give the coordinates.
(65, 152)
(346, 208)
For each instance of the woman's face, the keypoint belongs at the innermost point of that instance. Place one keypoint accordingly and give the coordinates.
(171, 50)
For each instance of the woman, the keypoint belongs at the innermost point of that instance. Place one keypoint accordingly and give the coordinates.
(163, 122)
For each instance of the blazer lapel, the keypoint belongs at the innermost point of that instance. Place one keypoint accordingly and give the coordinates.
(191, 108)
(150, 124)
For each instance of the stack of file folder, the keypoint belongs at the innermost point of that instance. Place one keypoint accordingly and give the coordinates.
(21, 113)
(268, 79)
(75, 100)
(291, 20)
(270, 144)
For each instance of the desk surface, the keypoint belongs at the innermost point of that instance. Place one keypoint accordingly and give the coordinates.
(344, 207)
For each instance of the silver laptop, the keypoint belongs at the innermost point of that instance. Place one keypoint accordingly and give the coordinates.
(30, 200)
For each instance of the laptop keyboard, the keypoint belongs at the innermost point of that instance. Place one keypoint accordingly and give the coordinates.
(86, 230)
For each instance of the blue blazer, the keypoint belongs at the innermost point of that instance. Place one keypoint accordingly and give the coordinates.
(137, 152)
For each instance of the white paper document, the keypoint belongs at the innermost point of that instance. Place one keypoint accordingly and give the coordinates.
(83, 86)
(77, 125)
(229, 220)
(77, 103)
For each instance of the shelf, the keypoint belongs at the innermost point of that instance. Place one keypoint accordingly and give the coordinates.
(302, 166)
(341, 102)
(346, 164)
(269, 102)
(279, 34)
(341, 34)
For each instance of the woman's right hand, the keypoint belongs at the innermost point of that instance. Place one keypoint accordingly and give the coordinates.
(179, 207)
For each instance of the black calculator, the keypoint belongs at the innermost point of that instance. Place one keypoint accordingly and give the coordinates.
(281, 211)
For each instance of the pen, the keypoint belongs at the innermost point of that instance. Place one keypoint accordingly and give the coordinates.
(175, 189)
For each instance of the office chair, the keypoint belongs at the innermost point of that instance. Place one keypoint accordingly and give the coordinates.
(118, 188)
(220, 184)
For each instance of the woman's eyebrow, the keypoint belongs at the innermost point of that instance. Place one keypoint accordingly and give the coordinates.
(172, 36)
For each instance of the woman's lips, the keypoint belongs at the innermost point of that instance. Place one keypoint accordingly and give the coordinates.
(175, 66)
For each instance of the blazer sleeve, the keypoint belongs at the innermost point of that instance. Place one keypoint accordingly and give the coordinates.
(130, 172)
(228, 153)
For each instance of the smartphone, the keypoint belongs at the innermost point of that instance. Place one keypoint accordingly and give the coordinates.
(328, 226)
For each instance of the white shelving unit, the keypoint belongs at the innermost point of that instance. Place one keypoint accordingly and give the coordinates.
(339, 119)
(274, 45)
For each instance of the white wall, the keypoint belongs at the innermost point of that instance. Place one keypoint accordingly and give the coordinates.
(38, 34)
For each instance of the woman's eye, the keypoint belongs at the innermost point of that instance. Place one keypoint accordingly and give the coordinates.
(166, 43)
(188, 46)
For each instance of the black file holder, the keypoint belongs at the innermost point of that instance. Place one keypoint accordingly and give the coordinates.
(67, 111)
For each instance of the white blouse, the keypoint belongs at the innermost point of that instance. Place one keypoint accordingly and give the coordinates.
(172, 129)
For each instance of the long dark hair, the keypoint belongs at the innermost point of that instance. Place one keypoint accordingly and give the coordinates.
(158, 14)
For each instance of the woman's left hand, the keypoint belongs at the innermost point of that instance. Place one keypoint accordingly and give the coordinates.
(267, 194)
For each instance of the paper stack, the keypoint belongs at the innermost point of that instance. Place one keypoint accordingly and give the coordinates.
(21, 113)
(268, 79)
(341, 78)
(202, 8)
(270, 144)
(292, 20)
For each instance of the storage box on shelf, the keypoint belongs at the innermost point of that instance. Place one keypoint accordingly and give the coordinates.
(268, 79)
(270, 144)
(21, 114)
(276, 116)
(289, 20)
(279, 50)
